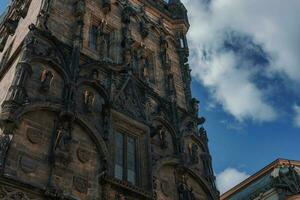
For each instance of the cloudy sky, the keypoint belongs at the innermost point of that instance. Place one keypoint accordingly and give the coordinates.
(246, 69)
(246, 73)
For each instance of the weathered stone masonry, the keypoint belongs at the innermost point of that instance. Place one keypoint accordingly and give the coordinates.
(96, 103)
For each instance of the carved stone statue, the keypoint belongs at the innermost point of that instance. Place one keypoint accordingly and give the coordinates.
(106, 4)
(184, 192)
(162, 137)
(95, 74)
(126, 13)
(144, 29)
(195, 106)
(163, 50)
(193, 152)
(80, 8)
(103, 41)
(89, 99)
(46, 79)
(4, 143)
(288, 179)
(170, 84)
(127, 45)
(62, 144)
(63, 138)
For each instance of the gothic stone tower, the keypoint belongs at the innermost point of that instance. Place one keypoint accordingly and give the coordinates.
(96, 103)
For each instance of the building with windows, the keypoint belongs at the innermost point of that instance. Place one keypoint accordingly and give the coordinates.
(279, 180)
(96, 103)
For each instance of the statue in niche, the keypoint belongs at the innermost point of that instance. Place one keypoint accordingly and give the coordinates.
(126, 14)
(62, 144)
(103, 41)
(106, 123)
(195, 106)
(162, 137)
(127, 45)
(163, 50)
(190, 128)
(95, 74)
(4, 143)
(89, 99)
(63, 138)
(170, 84)
(143, 63)
(193, 153)
(80, 8)
(202, 132)
(106, 6)
(185, 193)
(144, 29)
(46, 79)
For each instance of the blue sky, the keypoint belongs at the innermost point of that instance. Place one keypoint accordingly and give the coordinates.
(246, 74)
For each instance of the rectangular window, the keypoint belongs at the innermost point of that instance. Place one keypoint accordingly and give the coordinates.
(131, 164)
(125, 157)
(93, 38)
(119, 162)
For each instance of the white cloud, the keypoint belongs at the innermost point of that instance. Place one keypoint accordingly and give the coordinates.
(272, 24)
(229, 178)
(297, 115)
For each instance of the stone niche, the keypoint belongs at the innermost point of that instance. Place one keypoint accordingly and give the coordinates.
(27, 158)
(162, 142)
(45, 83)
(169, 180)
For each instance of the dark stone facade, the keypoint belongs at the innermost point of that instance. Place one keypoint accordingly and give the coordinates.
(74, 74)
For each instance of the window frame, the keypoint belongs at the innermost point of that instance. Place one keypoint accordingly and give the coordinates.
(127, 135)
(90, 44)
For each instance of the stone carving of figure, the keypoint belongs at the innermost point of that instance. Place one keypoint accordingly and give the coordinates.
(106, 123)
(80, 8)
(62, 144)
(126, 14)
(193, 151)
(185, 193)
(289, 179)
(106, 6)
(127, 45)
(144, 29)
(195, 106)
(103, 40)
(95, 75)
(163, 50)
(162, 137)
(4, 143)
(63, 138)
(170, 84)
(89, 99)
(46, 79)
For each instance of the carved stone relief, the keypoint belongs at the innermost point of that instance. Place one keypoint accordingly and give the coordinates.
(5, 140)
(165, 187)
(27, 164)
(62, 145)
(35, 136)
(80, 184)
(89, 99)
(83, 155)
(193, 153)
(45, 80)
